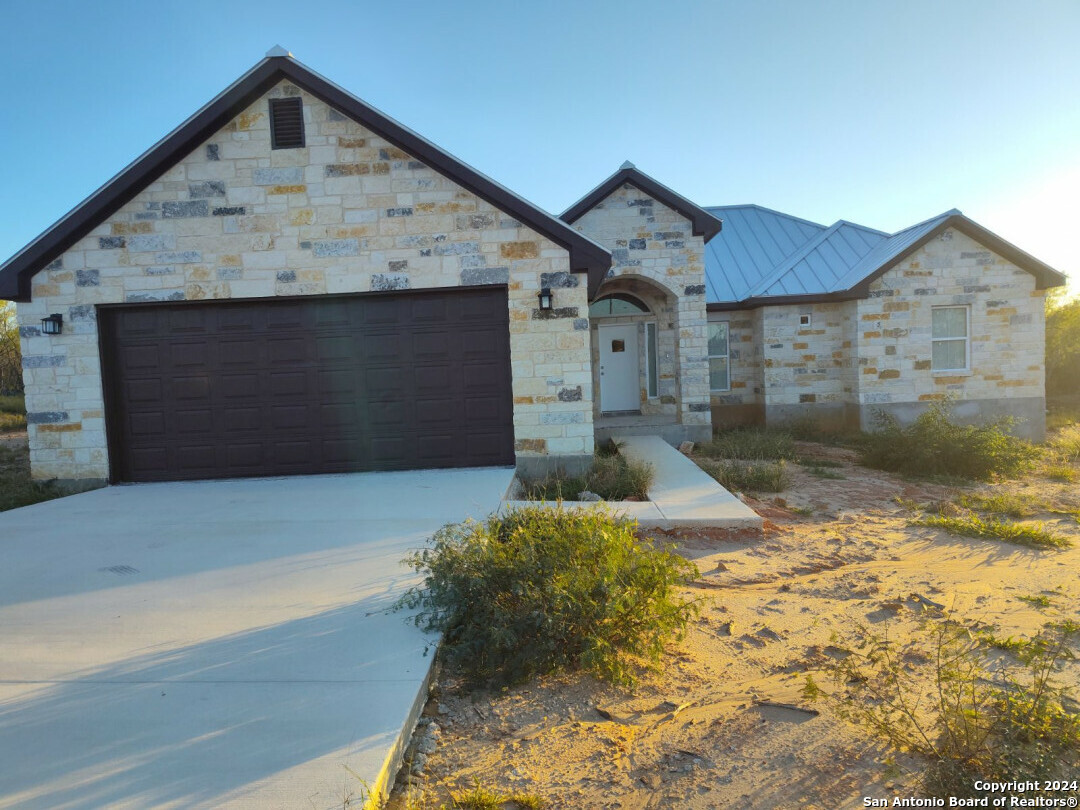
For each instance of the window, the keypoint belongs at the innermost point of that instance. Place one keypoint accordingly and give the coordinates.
(949, 339)
(805, 319)
(719, 378)
(650, 359)
(618, 304)
(286, 123)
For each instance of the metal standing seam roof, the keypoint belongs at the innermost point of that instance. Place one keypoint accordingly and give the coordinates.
(755, 240)
(763, 255)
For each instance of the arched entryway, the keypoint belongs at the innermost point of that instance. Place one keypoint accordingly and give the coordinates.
(634, 347)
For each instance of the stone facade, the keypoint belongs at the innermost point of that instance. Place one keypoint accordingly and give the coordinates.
(856, 357)
(656, 257)
(347, 213)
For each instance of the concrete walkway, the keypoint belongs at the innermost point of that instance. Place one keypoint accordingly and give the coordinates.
(216, 644)
(682, 494)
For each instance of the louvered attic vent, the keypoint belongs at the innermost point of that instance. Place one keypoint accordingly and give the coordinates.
(286, 123)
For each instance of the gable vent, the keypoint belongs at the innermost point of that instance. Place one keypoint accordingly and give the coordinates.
(286, 123)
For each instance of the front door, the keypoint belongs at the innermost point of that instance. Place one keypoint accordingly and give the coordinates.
(619, 372)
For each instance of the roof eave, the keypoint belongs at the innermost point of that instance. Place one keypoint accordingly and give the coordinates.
(1045, 276)
(586, 256)
(704, 224)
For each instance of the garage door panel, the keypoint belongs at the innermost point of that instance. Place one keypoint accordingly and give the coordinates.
(134, 358)
(288, 383)
(196, 457)
(308, 385)
(236, 385)
(286, 349)
(143, 390)
(195, 387)
(250, 455)
(149, 424)
(290, 417)
(243, 419)
(242, 353)
(194, 422)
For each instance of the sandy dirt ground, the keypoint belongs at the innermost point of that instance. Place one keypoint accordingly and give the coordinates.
(773, 610)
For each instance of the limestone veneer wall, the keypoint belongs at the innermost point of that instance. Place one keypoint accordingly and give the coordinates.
(348, 213)
(651, 241)
(744, 402)
(1006, 327)
(869, 354)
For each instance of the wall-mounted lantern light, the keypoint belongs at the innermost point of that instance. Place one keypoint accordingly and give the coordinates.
(52, 325)
(545, 298)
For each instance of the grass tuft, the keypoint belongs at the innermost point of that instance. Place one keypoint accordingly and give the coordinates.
(1061, 472)
(1036, 600)
(1066, 444)
(612, 476)
(481, 798)
(16, 488)
(974, 526)
(1004, 504)
(750, 444)
(740, 476)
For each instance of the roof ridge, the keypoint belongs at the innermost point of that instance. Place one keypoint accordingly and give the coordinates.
(766, 208)
(950, 213)
(792, 259)
(861, 227)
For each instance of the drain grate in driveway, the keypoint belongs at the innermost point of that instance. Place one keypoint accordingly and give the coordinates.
(119, 569)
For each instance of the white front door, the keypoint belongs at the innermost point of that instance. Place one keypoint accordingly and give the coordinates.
(619, 372)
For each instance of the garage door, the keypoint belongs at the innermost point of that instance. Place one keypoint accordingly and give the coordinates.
(308, 385)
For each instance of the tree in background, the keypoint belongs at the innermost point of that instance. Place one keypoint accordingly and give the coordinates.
(1062, 344)
(11, 380)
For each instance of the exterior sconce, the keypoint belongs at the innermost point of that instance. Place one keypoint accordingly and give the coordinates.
(545, 299)
(52, 325)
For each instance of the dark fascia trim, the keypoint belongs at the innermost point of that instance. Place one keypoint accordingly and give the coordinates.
(586, 256)
(780, 300)
(705, 224)
(1045, 276)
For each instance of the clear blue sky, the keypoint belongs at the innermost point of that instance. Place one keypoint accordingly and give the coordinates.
(884, 113)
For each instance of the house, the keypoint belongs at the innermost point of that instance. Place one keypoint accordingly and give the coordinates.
(293, 283)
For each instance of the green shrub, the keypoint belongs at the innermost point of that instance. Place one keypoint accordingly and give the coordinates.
(967, 720)
(612, 477)
(935, 445)
(542, 589)
(750, 444)
(739, 476)
(1037, 536)
(13, 404)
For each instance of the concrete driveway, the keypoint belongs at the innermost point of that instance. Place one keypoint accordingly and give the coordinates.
(216, 644)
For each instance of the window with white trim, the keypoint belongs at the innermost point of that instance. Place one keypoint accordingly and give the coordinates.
(719, 374)
(949, 339)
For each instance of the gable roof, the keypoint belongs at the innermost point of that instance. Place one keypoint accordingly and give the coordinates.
(704, 224)
(834, 263)
(586, 256)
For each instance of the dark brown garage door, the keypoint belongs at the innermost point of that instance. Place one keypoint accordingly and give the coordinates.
(308, 385)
